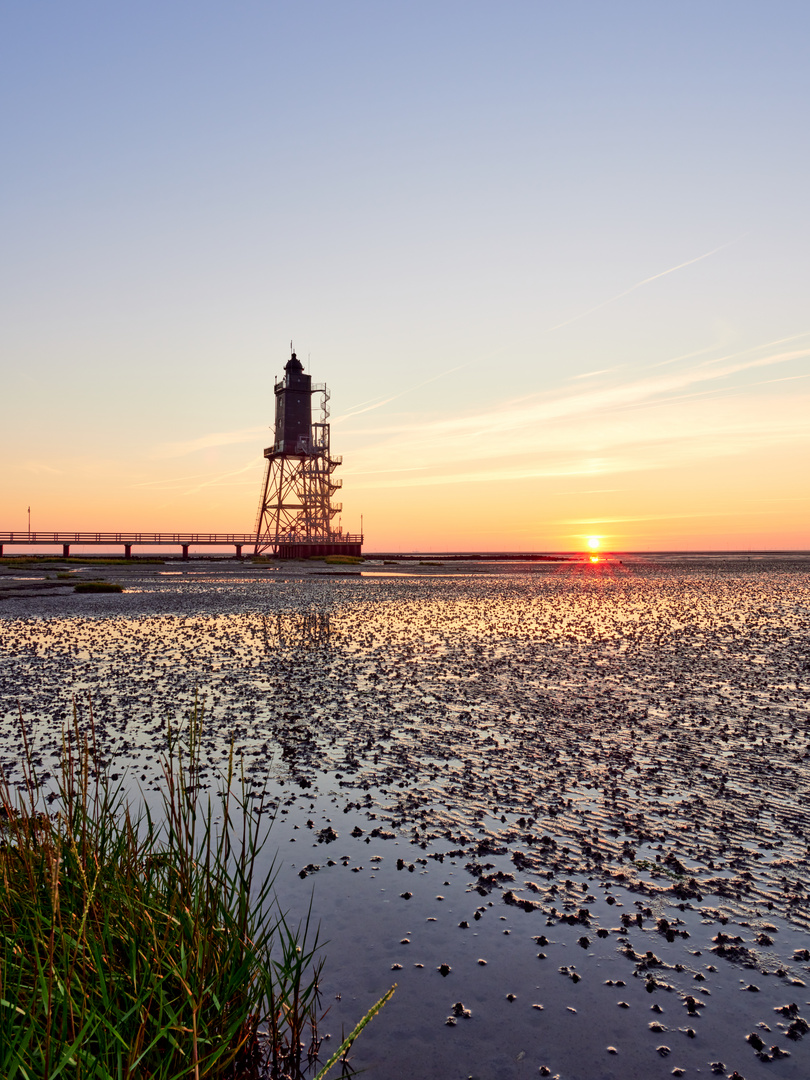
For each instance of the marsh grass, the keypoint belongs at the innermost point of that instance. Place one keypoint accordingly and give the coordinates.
(97, 587)
(137, 947)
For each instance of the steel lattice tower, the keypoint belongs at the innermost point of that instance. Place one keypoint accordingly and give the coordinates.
(296, 508)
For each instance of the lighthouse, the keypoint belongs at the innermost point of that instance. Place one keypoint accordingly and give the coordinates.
(296, 508)
(293, 411)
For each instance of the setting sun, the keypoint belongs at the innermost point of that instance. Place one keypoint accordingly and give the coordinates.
(594, 542)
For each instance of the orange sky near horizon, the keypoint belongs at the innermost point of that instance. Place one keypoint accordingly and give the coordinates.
(647, 481)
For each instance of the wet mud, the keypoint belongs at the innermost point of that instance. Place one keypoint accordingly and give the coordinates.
(565, 808)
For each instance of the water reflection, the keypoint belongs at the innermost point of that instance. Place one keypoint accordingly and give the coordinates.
(503, 757)
(286, 630)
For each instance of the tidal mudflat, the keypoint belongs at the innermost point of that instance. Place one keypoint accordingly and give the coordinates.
(565, 808)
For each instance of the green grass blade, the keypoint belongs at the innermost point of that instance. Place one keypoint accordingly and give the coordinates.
(346, 1045)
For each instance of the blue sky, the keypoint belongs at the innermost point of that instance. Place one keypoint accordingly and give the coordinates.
(464, 214)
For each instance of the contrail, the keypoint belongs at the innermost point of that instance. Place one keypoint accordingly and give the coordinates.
(402, 393)
(638, 285)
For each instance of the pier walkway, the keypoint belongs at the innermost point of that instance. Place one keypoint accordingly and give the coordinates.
(285, 547)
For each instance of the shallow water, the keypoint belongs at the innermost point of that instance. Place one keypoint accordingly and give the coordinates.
(571, 752)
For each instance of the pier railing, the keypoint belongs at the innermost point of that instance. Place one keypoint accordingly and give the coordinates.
(39, 537)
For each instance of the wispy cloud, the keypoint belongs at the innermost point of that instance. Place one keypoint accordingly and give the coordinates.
(206, 442)
(385, 401)
(206, 480)
(217, 481)
(705, 515)
(638, 285)
(169, 481)
(255, 434)
(641, 421)
(39, 467)
(589, 491)
(593, 374)
(690, 409)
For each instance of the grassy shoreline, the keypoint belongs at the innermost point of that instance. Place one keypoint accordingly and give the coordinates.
(133, 947)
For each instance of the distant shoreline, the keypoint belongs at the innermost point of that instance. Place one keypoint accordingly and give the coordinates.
(159, 555)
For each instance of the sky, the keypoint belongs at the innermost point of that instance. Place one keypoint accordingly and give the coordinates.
(551, 260)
